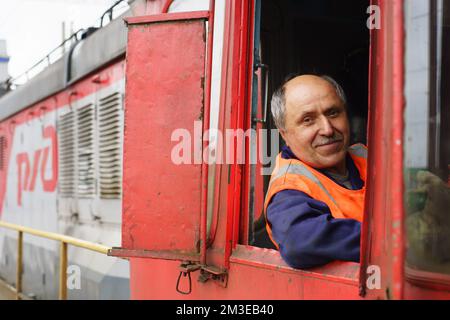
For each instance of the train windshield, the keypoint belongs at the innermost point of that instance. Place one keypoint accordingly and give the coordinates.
(427, 135)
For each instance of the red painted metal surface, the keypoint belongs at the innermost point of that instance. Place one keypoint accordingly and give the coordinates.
(154, 254)
(167, 6)
(161, 202)
(224, 223)
(239, 81)
(255, 273)
(217, 234)
(345, 272)
(246, 85)
(383, 245)
(253, 266)
(397, 223)
(206, 122)
(167, 17)
(416, 292)
(428, 280)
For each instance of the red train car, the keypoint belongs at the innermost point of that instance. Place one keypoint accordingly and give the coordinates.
(196, 144)
(190, 215)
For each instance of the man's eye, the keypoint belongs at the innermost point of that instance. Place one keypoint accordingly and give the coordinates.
(307, 120)
(333, 113)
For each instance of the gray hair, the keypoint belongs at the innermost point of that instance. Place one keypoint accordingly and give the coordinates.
(278, 103)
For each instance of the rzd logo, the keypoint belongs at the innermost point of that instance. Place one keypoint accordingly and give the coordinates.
(27, 182)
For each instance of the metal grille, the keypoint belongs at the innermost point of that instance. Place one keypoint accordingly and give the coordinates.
(85, 151)
(66, 147)
(110, 146)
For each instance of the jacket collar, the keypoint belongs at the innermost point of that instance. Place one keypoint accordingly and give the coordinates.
(355, 180)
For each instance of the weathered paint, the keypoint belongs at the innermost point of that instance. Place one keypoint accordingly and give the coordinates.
(383, 245)
(252, 266)
(166, 225)
(161, 203)
(246, 280)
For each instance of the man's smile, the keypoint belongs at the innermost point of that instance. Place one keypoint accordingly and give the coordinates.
(330, 146)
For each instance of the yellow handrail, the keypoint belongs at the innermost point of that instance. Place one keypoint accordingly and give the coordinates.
(63, 239)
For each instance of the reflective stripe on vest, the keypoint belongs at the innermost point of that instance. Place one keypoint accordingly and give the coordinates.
(293, 174)
(300, 169)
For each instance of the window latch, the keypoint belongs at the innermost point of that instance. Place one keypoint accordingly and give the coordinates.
(206, 273)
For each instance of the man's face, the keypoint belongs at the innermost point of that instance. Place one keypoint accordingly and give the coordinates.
(316, 123)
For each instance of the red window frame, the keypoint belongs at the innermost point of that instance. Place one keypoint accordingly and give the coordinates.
(238, 46)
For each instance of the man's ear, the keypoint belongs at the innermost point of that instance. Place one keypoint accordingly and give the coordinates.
(283, 135)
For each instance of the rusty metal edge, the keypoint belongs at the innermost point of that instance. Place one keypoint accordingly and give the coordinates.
(153, 254)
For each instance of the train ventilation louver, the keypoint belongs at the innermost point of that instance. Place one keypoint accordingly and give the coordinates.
(66, 154)
(110, 108)
(85, 151)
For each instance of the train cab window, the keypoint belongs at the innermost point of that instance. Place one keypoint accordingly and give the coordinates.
(427, 135)
(325, 37)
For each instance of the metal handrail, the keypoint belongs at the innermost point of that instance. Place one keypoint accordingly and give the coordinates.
(63, 239)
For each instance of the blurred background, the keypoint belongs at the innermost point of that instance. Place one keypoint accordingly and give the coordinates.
(30, 29)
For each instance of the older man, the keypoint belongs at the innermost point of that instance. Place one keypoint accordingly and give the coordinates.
(315, 201)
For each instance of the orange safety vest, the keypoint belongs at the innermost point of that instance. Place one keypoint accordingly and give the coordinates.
(293, 174)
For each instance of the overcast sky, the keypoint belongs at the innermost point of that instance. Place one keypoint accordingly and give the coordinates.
(32, 28)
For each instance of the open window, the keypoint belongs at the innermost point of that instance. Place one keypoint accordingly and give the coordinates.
(321, 37)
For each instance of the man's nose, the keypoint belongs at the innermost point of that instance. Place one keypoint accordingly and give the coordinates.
(326, 128)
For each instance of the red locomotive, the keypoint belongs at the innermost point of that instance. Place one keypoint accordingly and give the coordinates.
(192, 221)
(192, 194)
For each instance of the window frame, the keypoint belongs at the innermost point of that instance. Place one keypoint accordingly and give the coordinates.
(236, 253)
(423, 278)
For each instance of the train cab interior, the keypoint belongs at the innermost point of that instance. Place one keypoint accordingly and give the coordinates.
(324, 37)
